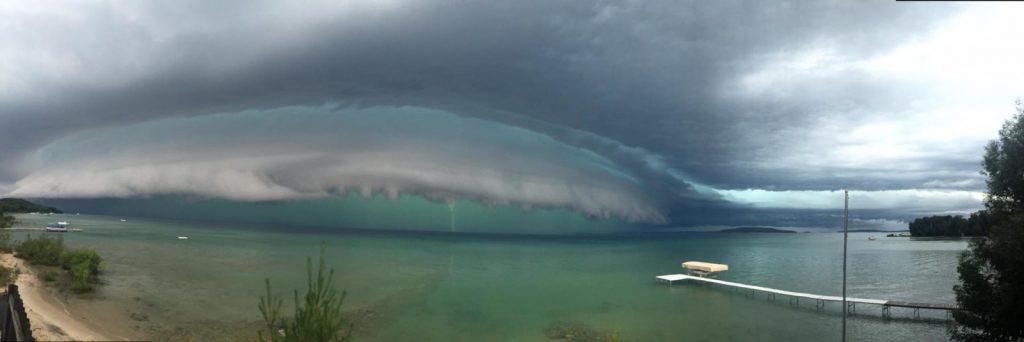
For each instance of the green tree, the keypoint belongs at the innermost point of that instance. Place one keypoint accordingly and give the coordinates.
(991, 289)
(318, 317)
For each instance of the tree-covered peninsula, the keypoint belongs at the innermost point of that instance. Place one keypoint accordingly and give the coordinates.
(976, 225)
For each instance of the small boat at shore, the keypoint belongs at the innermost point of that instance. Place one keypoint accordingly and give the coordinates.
(58, 227)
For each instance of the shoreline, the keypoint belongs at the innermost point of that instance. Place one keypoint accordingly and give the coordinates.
(48, 316)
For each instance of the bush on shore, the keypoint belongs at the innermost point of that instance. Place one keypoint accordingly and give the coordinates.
(41, 251)
(6, 243)
(83, 264)
(6, 220)
(7, 275)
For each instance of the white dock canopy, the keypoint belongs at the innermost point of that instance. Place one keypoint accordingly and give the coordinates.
(704, 268)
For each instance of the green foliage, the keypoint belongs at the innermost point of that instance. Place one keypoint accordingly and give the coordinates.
(977, 224)
(41, 251)
(48, 276)
(6, 242)
(318, 317)
(17, 205)
(6, 220)
(1003, 164)
(83, 264)
(7, 275)
(991, 289)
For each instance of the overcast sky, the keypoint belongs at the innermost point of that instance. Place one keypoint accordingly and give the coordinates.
(647, 111)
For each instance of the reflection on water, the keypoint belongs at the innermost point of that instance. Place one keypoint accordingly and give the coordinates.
(427, 287)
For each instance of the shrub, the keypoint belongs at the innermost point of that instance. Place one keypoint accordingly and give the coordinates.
(7, 275)
(83, 264)
(42, 251)
(48, 276)
(317, 318)
(6, 220)
(6, 244)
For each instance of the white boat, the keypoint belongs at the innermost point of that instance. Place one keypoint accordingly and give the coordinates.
(123, 220)
(183, 238)
(59, 227)
(871, 238)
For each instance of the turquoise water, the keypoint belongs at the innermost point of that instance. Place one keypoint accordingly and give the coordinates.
(408, 287)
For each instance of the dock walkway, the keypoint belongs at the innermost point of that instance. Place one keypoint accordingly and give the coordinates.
(820, 299)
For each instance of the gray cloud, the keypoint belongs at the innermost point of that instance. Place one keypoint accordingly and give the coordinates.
(299, 153)
(668, 92)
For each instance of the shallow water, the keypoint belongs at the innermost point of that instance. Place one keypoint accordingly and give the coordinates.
(409, 287)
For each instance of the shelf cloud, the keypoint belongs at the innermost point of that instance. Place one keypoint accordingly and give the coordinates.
(311, 153)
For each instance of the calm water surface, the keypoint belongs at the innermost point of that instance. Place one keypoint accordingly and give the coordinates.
(466, 288)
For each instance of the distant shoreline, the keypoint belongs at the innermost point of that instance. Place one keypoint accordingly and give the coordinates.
(755, 230)
(874, 231)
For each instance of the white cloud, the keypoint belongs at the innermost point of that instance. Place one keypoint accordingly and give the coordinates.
(934, 102)
(931, 200)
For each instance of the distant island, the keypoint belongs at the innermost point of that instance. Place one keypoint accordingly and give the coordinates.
(755, 230)
(17, 205)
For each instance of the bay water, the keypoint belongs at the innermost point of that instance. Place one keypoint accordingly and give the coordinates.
(457, 287)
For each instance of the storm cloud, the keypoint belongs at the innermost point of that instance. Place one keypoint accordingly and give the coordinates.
(657, 110)
(242, 156)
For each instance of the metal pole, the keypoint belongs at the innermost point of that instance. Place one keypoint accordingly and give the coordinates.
(846, 226)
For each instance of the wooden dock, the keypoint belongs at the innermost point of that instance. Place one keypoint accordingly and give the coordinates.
(820, 300)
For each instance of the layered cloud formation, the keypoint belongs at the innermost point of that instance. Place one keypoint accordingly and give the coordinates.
(311, 153)
(655, 111)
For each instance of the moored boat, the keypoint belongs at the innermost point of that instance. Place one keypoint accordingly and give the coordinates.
(59, 227)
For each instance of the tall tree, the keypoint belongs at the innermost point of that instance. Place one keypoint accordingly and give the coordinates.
(991, 289)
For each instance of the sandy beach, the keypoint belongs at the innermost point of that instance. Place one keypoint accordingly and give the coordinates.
(49, 318)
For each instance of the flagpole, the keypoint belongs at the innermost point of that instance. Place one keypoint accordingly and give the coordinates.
(846, 226)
